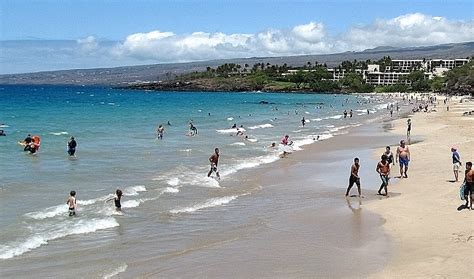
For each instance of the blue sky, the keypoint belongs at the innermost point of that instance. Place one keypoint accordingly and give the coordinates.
(139, 29)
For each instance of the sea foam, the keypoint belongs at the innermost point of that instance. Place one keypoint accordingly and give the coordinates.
(267, 125)
(55, 232)
(207, 204)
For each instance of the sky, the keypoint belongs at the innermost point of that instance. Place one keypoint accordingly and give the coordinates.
(40, 35)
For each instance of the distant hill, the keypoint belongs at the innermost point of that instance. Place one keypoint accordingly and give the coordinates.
(125, 75)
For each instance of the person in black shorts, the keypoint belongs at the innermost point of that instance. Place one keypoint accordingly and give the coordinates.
(354, 178)
(71, 146)
(469, 180)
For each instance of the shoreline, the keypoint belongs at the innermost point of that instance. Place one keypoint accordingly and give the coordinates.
(307, 204)
(431, 237)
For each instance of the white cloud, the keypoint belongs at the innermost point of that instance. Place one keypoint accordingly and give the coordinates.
(311, 32)
(406, 30)
(409, 30)
(88, 44)
(165, 46)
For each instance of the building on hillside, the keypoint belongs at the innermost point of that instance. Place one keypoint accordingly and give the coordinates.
(397, 70)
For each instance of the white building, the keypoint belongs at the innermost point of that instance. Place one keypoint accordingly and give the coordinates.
(397, 70)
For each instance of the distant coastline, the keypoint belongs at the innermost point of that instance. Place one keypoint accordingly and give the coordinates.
(386, 75)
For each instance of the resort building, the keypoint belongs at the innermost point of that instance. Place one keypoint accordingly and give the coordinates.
(397, 70)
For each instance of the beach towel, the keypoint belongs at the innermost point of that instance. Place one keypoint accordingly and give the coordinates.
(461, 190)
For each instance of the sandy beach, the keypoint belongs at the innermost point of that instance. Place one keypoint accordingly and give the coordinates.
(432, 239)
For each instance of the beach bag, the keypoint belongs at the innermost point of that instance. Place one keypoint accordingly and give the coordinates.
(461, 191)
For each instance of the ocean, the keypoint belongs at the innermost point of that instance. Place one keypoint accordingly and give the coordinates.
(170, 206)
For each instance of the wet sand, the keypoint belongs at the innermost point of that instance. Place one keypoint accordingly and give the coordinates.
(432, 239)
(301, 223)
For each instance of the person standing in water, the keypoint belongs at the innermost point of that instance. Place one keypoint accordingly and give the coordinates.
(71, 202)
(383, 169)
(403, 157)
(354, 178)
(303, 121)
(160, 131)
(71, 146)
(116, 199)
(214, 160)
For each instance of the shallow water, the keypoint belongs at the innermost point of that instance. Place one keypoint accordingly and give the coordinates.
(169, 203)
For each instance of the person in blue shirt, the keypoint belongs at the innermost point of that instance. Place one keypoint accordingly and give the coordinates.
(456, 163)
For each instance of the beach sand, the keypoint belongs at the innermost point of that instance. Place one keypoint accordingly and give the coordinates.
(432, 239)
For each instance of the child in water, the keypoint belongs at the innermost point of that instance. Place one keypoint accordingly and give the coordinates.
(71, 202)
(116, 199)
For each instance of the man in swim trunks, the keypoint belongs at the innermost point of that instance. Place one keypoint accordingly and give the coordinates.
(456, 162)
(71, 202)
(71, 146)
(383, 169)
(214, 160)
(469, 189)
(403, 156)
(354, 178)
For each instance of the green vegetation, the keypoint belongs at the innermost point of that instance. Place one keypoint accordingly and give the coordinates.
(314, 77)
(460, 80)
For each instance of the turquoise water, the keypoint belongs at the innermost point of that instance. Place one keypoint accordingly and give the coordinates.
(163, 180)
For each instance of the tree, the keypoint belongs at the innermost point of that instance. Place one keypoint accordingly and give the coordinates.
(298, 78)
(437, 83)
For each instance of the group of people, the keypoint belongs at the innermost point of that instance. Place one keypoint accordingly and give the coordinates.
(72, 202)
(383, 168)
(467, 188)
(32, 144)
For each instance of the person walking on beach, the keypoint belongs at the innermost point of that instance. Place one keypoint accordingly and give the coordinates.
(71, 202)
(71, 146)
(389, 155)
(456, 163)
(383, 169)
(160, 131)
(214, 160)
(354, 177)
(408, 129)
(116, 199)
(403, 157)
(469, 188)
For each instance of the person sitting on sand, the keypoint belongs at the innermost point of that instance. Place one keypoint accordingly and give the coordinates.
(403, 156)
(383, 169)
(354, 177)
